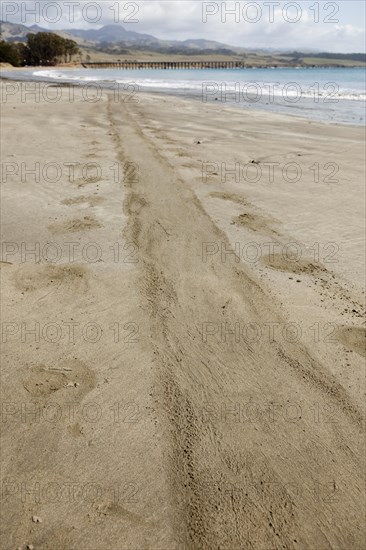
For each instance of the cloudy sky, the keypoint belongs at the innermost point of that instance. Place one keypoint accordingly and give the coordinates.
(320, 25)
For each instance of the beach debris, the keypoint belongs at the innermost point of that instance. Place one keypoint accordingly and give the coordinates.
(72, 385)
(60, 369)
(30, 547)
(254, 161)
(198, 143)
(36, 519)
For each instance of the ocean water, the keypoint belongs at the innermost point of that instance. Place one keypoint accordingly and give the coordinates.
(331, 95)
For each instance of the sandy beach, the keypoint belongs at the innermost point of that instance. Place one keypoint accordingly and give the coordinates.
(183, 338)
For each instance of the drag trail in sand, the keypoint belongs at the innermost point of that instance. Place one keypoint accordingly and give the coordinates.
(169, 225)
(216, 460)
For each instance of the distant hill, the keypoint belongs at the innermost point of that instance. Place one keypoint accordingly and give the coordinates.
(115, 35)
(114, 41)
(11, 32)
(326, 55)
(112, 34)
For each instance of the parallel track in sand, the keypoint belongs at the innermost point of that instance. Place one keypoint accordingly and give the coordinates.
(217, 443)
(264, 484)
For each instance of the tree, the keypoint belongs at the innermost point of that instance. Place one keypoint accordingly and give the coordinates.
(44, 48)
(47, 48)
(9, 53)
(71, 49)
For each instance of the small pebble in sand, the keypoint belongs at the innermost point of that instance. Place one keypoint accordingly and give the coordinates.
(36, 519)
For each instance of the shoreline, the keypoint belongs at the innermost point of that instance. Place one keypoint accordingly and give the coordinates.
(183, 95)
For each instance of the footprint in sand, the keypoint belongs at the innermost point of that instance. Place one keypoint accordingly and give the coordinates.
(82, 182)
(75, 225)
(82, 199)
(75, 430)
(70, 376)
(255, 221)
(38, 276)
(353, 338)
(287, 264)
(233, 197)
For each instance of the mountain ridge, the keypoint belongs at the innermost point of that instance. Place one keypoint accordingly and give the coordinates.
(112, 35)
(115, 40)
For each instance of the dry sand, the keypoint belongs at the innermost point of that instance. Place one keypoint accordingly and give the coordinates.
(173, 396)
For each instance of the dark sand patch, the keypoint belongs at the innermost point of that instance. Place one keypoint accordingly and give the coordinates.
(74, 226)
(290, 264)
(33, 277)
(82, 182)
(353, 338)
(255, 222)
(233, 197)
(92, 200)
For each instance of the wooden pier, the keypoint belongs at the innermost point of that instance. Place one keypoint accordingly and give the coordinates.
(167, 65)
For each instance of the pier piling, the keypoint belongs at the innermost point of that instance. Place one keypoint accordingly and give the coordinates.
(168, 65)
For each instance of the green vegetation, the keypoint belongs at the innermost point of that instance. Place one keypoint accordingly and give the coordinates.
(44, 48)
(10, 53)
(324, 62)
(359, 57)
